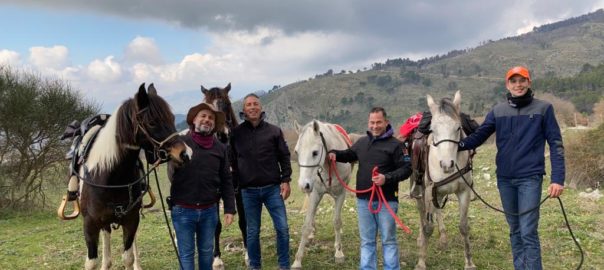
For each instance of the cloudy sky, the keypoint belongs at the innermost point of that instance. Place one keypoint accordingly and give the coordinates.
(105, 49)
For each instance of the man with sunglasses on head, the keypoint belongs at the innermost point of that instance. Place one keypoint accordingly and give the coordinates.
(522, 125)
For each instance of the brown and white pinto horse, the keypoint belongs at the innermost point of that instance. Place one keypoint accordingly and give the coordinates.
(219, 97)
(111, 190)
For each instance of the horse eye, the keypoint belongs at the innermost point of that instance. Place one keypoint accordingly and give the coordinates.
(315, 153)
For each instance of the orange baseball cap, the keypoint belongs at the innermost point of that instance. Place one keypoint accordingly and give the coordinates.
(520, 70)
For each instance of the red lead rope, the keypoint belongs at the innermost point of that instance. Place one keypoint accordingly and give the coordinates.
(373, 189)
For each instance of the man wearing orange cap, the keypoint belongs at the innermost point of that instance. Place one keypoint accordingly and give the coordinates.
(523, 124)
(197, 187)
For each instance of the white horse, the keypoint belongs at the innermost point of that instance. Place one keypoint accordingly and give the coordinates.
(316, 138)
(445, 167)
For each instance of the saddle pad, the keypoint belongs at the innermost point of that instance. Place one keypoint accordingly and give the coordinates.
(411, 124)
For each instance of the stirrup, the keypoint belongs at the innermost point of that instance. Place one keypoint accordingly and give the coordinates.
(61, 209)
(152, 197)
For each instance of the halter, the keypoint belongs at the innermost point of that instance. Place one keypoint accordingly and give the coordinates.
(158, 149)
(448, 179)
(321, 160)
(447, 140)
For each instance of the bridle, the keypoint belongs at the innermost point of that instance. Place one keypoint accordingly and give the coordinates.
(447, 140)
(448, 179)
(321, 161)
(158, 146)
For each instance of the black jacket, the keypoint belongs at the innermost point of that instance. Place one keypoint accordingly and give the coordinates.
(260, 155)
(386, 152)
(205, 179)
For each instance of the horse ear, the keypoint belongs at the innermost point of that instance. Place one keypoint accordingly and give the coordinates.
(142, 98)
(315, 125)
(457, 100)
(227, 88)
(204, 90)
(433, 107)
(151, 90)
(297, 127)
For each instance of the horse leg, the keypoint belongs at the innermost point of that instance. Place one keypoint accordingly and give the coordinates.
(91, 235)
(422, 241)
(137, 261)
(442, 230)
(304, 205)
(337, 224)
(129, 233)
(242, 225)
(106, 261)
(315, 198)
(464, 228)
(217, 264)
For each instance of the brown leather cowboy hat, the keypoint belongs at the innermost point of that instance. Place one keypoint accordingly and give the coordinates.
(218, 115)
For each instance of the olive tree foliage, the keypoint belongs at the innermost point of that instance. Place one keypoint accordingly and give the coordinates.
(33, 115)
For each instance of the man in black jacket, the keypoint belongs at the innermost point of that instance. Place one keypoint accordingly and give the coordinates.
(377, 149)
(198, 186)
(261, 165)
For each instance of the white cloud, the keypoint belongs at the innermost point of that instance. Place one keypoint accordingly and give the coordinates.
(104, 71)
(54, 58)
(143, 50)
(9, 58)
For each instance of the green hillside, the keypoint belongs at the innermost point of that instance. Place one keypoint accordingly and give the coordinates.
(557, 51)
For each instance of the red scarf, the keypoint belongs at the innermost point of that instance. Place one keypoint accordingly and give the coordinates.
(205, 141)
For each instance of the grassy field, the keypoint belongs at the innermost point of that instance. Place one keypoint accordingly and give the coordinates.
(39, 240)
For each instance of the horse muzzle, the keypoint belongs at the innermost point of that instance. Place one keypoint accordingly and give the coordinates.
(305, 186)
(180, 153)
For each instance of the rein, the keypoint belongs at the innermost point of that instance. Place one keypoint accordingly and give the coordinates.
(447, 180)
(373, 189)
(531, 210)
(120, 211)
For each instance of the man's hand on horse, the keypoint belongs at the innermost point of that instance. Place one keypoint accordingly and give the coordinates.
(555, 190)
(285, 190)
(332, 156)
(379, 179)
(228, 219)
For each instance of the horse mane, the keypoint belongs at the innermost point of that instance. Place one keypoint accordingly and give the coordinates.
(447, 107)
(118, 134)
(328, 130)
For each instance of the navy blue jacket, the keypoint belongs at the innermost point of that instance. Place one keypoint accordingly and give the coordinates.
(520, 136)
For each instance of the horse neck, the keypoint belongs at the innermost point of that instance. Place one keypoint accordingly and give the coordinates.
(333, 138)
(105, 151)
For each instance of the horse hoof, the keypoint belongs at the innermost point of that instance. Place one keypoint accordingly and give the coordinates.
(428, 230)
(297, 265)
(340, 259)
(470, 268)
(246, 258)
(418, 267)
(443, 245)
(218, 264)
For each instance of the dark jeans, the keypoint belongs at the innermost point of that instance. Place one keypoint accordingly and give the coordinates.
(517, 196)
(195, 227)
(253, 199)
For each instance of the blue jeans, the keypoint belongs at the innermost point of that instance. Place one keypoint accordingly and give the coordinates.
(517, 196)
(369, 224)
(192, 227)
(270, 196)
